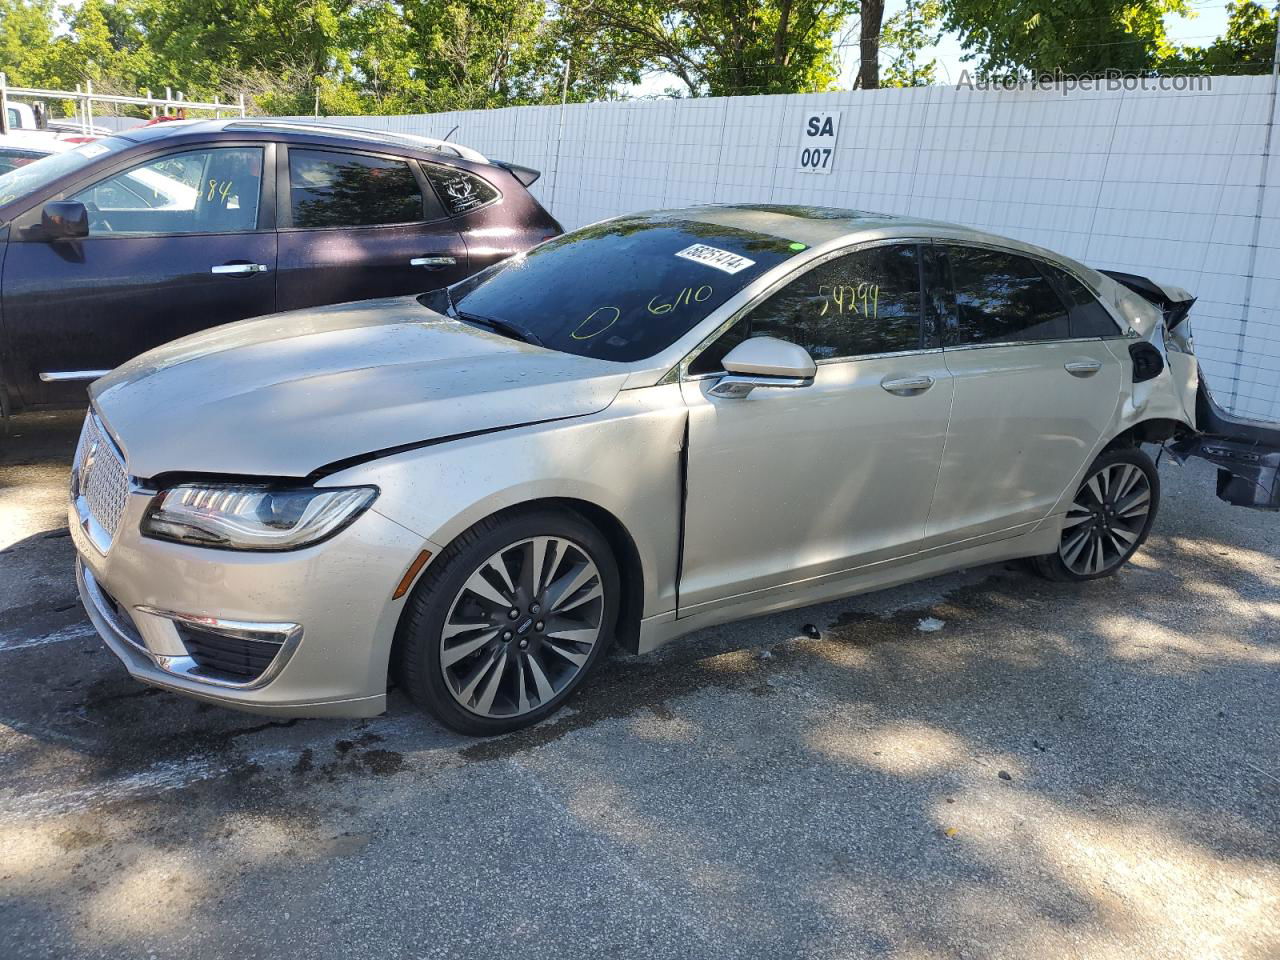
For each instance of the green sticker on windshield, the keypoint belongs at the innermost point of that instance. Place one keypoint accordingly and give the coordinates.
(797, 247)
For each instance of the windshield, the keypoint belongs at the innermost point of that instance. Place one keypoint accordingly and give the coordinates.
(621, 290)
(25, 179)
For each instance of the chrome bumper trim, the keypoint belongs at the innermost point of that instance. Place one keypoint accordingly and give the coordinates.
(104, 618)
(107, 622)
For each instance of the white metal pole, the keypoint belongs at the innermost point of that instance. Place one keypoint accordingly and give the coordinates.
(4, 104)
(242, 103)
(88, 106)
(217, 114)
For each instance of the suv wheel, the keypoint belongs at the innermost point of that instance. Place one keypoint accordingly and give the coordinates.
(510, 620)
(1108, 520)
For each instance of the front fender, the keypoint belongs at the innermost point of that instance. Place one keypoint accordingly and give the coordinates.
(624, 460)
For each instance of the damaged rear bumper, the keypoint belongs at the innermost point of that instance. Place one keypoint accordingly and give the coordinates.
(1246, 453)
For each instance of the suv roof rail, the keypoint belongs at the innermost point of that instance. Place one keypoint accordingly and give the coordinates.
(366, 133)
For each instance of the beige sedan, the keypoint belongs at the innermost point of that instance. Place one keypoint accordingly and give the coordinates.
(650, 425)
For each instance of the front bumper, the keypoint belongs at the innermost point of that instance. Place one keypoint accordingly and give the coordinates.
(328, 608)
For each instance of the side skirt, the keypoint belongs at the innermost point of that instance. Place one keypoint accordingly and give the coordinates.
(656, 631)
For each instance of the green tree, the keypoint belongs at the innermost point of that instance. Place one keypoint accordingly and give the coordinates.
(1248, 46)
(905, 35)
(1081, 37)
(26, 41)
(725, 47)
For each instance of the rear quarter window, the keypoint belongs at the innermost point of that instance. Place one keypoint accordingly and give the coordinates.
(1088, 317)
(459, 191)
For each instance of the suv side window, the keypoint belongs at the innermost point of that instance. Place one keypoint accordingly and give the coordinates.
(1088, 317)
(199, 191)
(1001, 298)
(459, 191)
(332, 189)
(860, 304)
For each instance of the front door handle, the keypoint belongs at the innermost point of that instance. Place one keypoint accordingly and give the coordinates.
(239, 269)
(1082, 368)
(907, 386)
(433, 263)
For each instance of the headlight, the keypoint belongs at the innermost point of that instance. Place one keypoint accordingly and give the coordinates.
(252, 517)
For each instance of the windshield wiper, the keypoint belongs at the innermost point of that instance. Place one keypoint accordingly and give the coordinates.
(505, 327)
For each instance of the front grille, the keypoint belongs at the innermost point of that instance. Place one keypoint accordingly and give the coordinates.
(223, 657)
(99, 475)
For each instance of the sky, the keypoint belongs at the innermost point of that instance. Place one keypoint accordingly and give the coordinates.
(1208, 20)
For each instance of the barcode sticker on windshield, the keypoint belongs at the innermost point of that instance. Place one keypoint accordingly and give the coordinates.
(715, 257)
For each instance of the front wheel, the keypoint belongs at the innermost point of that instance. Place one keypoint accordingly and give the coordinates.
(509, 621)
(1108, 520)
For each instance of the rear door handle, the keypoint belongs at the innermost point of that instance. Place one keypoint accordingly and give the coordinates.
(1082, 368)
(433, 263)
(239, 269)
(907, 386)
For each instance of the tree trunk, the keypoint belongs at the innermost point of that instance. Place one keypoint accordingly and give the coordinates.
(869, 44)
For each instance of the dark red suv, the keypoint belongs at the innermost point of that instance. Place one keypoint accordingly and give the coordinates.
(133, 240)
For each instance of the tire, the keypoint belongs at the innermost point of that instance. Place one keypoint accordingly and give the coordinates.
(483, 647)
(1109, 518)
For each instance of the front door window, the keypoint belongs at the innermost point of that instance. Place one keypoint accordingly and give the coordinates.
(199, 191)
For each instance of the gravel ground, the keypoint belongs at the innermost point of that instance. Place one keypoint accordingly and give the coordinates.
(1059, 771)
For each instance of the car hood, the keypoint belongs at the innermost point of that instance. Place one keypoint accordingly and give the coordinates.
(283, 395)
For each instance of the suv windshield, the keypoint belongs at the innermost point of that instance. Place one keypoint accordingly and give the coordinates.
(16, 184)
(620, 290)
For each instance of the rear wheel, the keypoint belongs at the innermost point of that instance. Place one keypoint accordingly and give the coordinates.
(511, 619)
(1109, 518)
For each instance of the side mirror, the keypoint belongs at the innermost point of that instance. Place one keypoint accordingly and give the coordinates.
(64, 220)
(764, 362)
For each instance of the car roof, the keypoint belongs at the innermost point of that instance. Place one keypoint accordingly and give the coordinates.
(301, 128)
(813, 225)
(810, 225)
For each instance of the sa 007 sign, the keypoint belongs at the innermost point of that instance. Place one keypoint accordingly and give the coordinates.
(818, 142)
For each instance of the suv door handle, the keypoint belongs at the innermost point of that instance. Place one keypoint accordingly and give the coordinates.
(433, 263)
(239, 269)
(907, 386)
(1082, 368)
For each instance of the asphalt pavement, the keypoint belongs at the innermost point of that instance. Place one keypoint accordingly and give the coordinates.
(1059, 771)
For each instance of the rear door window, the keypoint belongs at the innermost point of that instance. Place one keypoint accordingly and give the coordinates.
(858, 305)
(333, 189)
(1001, 298)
